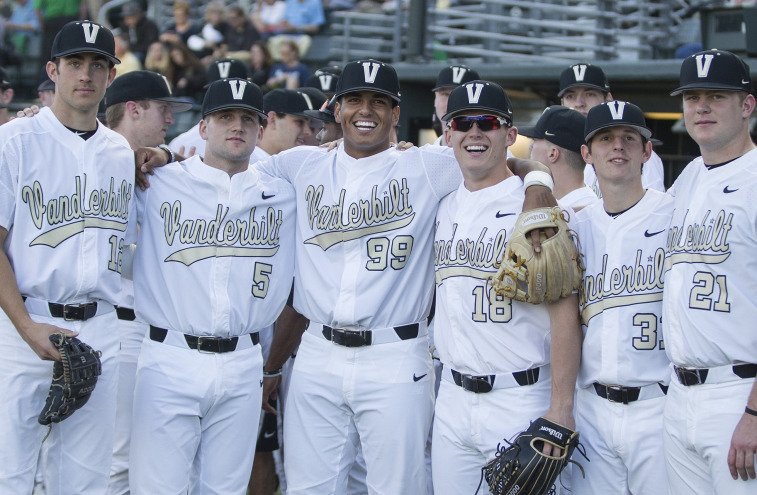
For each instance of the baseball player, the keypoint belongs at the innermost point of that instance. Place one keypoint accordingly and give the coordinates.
(139, 106)
(6, 96)
(710, 417)
(448, 79)
(495, 351)
(66, 185)
(624, 370)
(364, 281)
(582, 87)
(223, 232)
(557, 140)
(286, 125)
(219, 69)
(326, 79)
(316, 99)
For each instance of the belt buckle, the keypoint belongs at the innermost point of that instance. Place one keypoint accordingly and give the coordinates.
(68, 309)
(621, 391)
(200, 340)
(477, 384)
(689, 377)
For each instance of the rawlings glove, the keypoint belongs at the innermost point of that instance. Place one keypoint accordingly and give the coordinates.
(547, 276)
(522, 469)
(74, 378)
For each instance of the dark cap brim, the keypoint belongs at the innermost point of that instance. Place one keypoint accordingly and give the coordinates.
(642, 130)
(583, 85)
(74, 51)
(368, 88)
(177, 104)
(706, 85)
(318, 115)
(480, 110)
(530, 132)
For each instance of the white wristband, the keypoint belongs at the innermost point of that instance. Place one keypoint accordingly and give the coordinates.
(538, 178)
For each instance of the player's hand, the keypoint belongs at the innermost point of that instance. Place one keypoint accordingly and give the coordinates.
(37, 335)
(539, 197)
(402, 145)
(270, 391)
(192, 151)
(743, 448)
(28, 111)
(561, 416)
(146, 160)
(332, 144)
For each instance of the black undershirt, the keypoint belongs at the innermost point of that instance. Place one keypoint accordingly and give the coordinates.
(83, 134)
(710, 167)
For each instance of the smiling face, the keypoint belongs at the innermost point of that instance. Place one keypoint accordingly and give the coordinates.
(368, 119)
(482, 155)
(617, 154)
(717, 120)
(231, 136)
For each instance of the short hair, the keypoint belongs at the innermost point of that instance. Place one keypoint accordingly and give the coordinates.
(574, 159)
(114, 114)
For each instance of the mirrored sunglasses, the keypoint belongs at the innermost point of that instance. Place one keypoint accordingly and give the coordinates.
(486, 123)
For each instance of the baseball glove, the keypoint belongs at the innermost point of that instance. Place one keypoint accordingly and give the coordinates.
(74, 378)
(547, 276)
(522, 469)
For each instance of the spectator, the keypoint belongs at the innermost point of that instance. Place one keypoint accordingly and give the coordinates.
(268, 17)
(46, 92)
(188, 72)
(22, 24)
(302, 19)
(158, 59)
(141, 31)
(6, 96)
(53, 15)
(260, 63)
(211, 35)
(239, 36)
(289, 73)
(182, 27)
(129, 61)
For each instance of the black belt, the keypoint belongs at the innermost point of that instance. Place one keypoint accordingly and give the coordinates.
(485, 383)
(360, 338)
(125, 313)
(697, 376)
(204, 344)
(79, 312)
(618, 393)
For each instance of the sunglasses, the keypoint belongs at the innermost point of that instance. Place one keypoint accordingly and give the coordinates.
(486, 123)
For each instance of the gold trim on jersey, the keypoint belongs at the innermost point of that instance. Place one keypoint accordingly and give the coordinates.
(54, 237)
(593, 309)
(445, 272)
(703, 242)
(476, 253)
(192, 254)
(329, 239)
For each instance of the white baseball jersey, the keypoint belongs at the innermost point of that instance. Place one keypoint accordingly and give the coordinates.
(476, 331)
(259, 155)
(709, 305)
(188, 139)
(235, 233)
(578, 198)
(652, 175)
(621, 292)
(361, 221)
(66, 211)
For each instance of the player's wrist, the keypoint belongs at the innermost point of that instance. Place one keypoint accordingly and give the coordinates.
(271, 372)
(167, 150)
(538, 178)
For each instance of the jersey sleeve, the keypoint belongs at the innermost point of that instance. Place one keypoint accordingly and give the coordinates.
(442, 171)
(287, 164)
(653, 176)
(8, 184)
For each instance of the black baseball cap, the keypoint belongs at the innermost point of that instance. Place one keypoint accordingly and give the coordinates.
(614, 114)
(46, 85)
(4, 79)
(583, 74)
(233, 93)
(455, 75)
(286, 101)
(226, 68)
(714, 69)
(84, 37)
(314, 97)
(559, 125)
(481, 95)
(143, 85)
(369, 75)
(325, 79)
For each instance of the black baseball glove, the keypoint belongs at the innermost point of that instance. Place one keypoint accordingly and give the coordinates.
(74, 378)
(520, 468)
